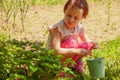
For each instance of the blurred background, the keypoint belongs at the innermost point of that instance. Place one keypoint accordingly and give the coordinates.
(29, 19)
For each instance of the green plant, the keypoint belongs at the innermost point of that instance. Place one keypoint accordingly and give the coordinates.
(23, 5)
(31, 61)
(6, 9)
(28, 61)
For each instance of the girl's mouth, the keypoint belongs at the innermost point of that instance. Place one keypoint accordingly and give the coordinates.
(70, 23)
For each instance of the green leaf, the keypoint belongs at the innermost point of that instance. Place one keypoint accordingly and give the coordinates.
(16, 76)
(51, 51)
(33, 68)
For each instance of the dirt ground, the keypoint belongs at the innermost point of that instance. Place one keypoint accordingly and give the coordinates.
(99, 25)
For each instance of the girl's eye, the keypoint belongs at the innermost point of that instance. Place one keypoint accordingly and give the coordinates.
(76, 18)
(69, 15)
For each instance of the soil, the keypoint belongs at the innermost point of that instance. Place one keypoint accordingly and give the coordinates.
(100, 25)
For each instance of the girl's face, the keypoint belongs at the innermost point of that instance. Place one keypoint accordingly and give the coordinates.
(72, 17)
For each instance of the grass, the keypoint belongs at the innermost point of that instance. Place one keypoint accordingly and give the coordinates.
(108, 48)
(46, 2)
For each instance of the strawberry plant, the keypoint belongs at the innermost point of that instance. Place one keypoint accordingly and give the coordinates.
(27, 61)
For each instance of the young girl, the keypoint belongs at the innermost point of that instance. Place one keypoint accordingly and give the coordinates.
(66, 36)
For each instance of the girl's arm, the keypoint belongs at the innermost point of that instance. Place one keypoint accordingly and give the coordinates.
(82, 35)
(56, 41)
(85, 38)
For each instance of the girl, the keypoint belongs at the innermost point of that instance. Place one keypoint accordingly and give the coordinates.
(67, 34)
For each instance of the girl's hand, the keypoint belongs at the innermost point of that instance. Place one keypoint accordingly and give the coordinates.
(85, 52)
(95, 45)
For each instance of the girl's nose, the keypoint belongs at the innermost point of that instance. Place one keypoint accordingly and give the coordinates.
(71, 19)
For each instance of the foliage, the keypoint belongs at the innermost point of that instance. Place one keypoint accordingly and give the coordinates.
(30, 61)
(27, 61)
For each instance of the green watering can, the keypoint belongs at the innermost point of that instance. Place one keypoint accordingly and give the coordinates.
(96, 67)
